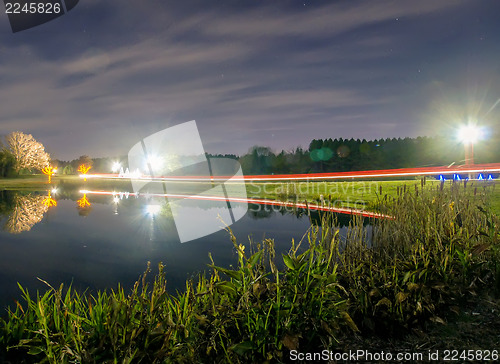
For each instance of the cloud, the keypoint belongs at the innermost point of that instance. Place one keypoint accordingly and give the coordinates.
(110, 72)
(326, 21)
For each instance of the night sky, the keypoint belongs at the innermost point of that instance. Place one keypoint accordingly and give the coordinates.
(259, 72)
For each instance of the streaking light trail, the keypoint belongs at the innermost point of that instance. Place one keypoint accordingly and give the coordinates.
(401, 172)
(258, 201)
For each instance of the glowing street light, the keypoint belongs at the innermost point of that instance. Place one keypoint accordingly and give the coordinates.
(116, 166)
(154, 162)
(469, 134)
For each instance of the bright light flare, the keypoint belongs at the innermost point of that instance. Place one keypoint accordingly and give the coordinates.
(116, 166)
(153, 210)
(154, 161)
(469, 134)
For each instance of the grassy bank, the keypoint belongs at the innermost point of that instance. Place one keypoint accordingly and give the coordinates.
(360, 194)
(69, 182)
(421, 268)
(25, 182)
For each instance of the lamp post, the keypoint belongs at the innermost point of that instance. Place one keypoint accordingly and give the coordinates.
(116, 167)
(469, 134)
(469, 154)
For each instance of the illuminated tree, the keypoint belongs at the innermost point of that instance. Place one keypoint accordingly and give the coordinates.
(83, 169)
(27, 152)
(49, 171)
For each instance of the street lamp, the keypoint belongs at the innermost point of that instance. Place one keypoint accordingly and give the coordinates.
(469, 134)
(116, 166)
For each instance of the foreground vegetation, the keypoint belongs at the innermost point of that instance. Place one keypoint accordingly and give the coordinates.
(440, 249)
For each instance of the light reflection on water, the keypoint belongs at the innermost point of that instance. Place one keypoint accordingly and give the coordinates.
(98, 241)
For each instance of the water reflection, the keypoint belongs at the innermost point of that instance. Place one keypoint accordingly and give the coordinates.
(119, 236)
(27, 210)
(83, 202)
(266, 211)
(49, 201)
(83, 206)
(24, 210)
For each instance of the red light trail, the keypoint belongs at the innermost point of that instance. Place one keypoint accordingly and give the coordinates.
(401, 172)
(341, 210)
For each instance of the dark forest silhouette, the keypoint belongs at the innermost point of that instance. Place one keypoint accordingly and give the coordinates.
(339, 155)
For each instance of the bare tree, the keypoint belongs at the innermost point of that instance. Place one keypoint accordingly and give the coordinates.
(28, 153)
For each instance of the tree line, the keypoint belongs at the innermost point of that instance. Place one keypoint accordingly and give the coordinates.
(340, 155)
(23, 154)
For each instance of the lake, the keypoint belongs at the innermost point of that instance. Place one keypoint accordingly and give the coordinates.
(97, 241)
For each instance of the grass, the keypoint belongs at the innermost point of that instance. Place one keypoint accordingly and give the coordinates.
(359, 194)
(355, 194)
(70, 182)
(24, 182)
(440, 250)
(365, 195)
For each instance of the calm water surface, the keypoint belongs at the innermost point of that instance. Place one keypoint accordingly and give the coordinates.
(99, 243)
